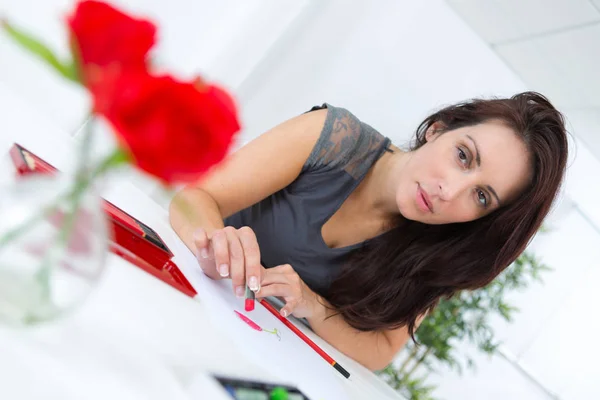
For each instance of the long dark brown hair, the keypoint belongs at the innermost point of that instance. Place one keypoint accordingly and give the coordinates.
(403, 273)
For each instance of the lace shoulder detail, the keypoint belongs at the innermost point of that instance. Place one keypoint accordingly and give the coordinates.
(345, 143)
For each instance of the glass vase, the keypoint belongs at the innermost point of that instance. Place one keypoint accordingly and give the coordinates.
(53, 245)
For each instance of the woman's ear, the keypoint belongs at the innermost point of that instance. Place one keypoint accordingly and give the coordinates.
(433, 131)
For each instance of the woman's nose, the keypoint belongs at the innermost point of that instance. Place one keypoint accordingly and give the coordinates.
(448, 191)
(453, 188)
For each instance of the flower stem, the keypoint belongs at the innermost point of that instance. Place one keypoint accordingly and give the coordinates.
(69, 203)
(114, 159)
(14, 233)
(82, 182)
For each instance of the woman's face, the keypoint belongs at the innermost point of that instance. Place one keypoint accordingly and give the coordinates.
(463, 174)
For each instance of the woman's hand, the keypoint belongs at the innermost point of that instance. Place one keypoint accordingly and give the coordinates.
(283, 281)
(232, 253)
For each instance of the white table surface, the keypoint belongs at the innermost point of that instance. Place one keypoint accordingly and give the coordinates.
(135, 337)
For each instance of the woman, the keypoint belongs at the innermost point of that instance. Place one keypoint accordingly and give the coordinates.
(361, 238)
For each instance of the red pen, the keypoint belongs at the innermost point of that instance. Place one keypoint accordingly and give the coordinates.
(249, 299)
(302, 336)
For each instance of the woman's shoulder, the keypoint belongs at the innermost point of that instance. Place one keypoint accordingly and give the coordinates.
(345, 141)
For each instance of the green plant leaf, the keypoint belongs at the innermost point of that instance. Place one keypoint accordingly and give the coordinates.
(463, 317)
(34, 46)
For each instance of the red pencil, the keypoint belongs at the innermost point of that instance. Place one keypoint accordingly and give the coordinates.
(249, 299)
(302, 336)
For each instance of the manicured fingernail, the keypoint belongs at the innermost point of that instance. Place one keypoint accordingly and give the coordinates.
(239, 291)
(253, 284)
(223, 270)
(284, 313)
(204, 253)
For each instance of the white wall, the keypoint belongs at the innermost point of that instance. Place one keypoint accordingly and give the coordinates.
(391, 63)
(222, 41)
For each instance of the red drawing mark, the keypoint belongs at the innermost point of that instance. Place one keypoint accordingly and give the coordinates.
(247, 320)
(255, 326)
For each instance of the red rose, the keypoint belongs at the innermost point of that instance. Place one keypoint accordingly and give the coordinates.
(104, 36)
(173, 130)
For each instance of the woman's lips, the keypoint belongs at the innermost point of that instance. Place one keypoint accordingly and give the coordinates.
(423, 200)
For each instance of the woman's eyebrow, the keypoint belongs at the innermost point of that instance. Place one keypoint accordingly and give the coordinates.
(477, 157)
(491, 189)
(478, 161)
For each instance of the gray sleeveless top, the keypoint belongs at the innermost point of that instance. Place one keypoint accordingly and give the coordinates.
(288, 223)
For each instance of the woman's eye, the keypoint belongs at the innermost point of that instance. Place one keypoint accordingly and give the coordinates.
(463, 157)
(482, 198)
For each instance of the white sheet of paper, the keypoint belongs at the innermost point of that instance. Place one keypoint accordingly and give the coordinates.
(290, 359)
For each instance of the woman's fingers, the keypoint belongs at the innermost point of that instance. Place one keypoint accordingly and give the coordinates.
(201, 242)
(283, 269)
(251, 258)
(279, 274)
(281, 290)
(288, 309)
(283, 281)
(221, 251)
(203, 250)
(236, 257)
(236, 253)
(275, 290)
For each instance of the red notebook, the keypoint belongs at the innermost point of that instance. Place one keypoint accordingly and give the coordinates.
(131, 239)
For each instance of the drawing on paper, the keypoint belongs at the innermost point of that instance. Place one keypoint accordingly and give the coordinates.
(255, 326)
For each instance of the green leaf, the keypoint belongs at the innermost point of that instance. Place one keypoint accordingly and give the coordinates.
(34, 46)
(114, 159)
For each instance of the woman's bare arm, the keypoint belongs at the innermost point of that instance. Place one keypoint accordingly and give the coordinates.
(260, 168)
(374, 350)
